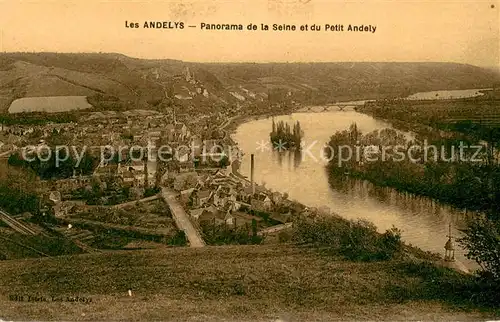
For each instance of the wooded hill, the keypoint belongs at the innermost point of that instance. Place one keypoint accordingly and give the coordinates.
(115, 81)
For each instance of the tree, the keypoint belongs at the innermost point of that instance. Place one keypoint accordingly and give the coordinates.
(482, 241)
(224, 162)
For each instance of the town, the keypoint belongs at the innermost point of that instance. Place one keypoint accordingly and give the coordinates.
(117, 171)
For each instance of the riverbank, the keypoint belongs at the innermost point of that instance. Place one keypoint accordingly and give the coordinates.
(237, 121)
(258, 283)
(449, 126)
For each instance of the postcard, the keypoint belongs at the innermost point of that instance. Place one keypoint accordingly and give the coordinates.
(251, 160)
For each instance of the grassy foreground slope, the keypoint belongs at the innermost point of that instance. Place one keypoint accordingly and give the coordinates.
(235, 283)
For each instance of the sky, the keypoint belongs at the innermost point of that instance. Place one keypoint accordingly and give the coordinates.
(440, 31)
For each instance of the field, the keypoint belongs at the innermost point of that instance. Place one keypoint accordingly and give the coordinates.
(51, 74)
(152, 215)
(482, 111)
(230, 283)
(441, 95)
(50, 104)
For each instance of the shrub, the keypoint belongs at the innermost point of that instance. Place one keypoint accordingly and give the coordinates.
(390, 242)
(179, 239)
(224, 235)
(284, 236)
(149, 192)
(440, 283)
(355, 240)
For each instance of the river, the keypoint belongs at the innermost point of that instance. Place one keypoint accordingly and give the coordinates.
(424, 222)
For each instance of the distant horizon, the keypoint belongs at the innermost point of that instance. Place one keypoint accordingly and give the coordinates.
(247, 62)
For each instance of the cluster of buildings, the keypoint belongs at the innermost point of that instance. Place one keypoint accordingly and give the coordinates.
(223, 196)
(131, 147)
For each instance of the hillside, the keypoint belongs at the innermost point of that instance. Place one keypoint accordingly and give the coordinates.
(115, 81)
(356, 80)
(234, 283)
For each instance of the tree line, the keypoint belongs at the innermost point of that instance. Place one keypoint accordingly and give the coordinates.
(463, 184)
(284, 135)
(51, 169)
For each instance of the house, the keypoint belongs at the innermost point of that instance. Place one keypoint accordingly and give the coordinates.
(183, 97)
(128, 178)
(229, 219)
(182, 131)
(65, 208)
(185, 181)
(201, 197)
(276, 198)
(135, 166)
(237, 96)
(182, 154)
(222, 196)
(186, 167)
(170, 128)
(261, 202)
(132, 173)
(154, 135)
(176, 132)
(221, 178)
(196, 213)
(245, 194)
(168, 177)
(212, 151)
(211, 215)
(55, 196)
(196, 144)
(185, 195)
(105, 170)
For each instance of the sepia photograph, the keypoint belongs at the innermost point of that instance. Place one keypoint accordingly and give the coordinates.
(250, 160)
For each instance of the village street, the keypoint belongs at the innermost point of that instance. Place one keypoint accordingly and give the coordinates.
(181, 218)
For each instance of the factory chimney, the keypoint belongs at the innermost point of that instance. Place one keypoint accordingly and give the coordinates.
(252, 169)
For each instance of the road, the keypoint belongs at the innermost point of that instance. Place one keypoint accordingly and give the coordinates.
(223, 126)
(133, 203)
(6, 155)
(275, 229)
(182, 218)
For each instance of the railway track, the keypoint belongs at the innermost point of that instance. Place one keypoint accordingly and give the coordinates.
(15, 224)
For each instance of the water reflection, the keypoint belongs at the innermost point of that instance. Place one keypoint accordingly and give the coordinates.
(293, 158)
(297, 157)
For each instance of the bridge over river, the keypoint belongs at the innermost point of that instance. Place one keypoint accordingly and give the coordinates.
(332, 107)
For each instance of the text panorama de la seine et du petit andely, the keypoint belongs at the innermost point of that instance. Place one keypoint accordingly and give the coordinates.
(253, 27)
